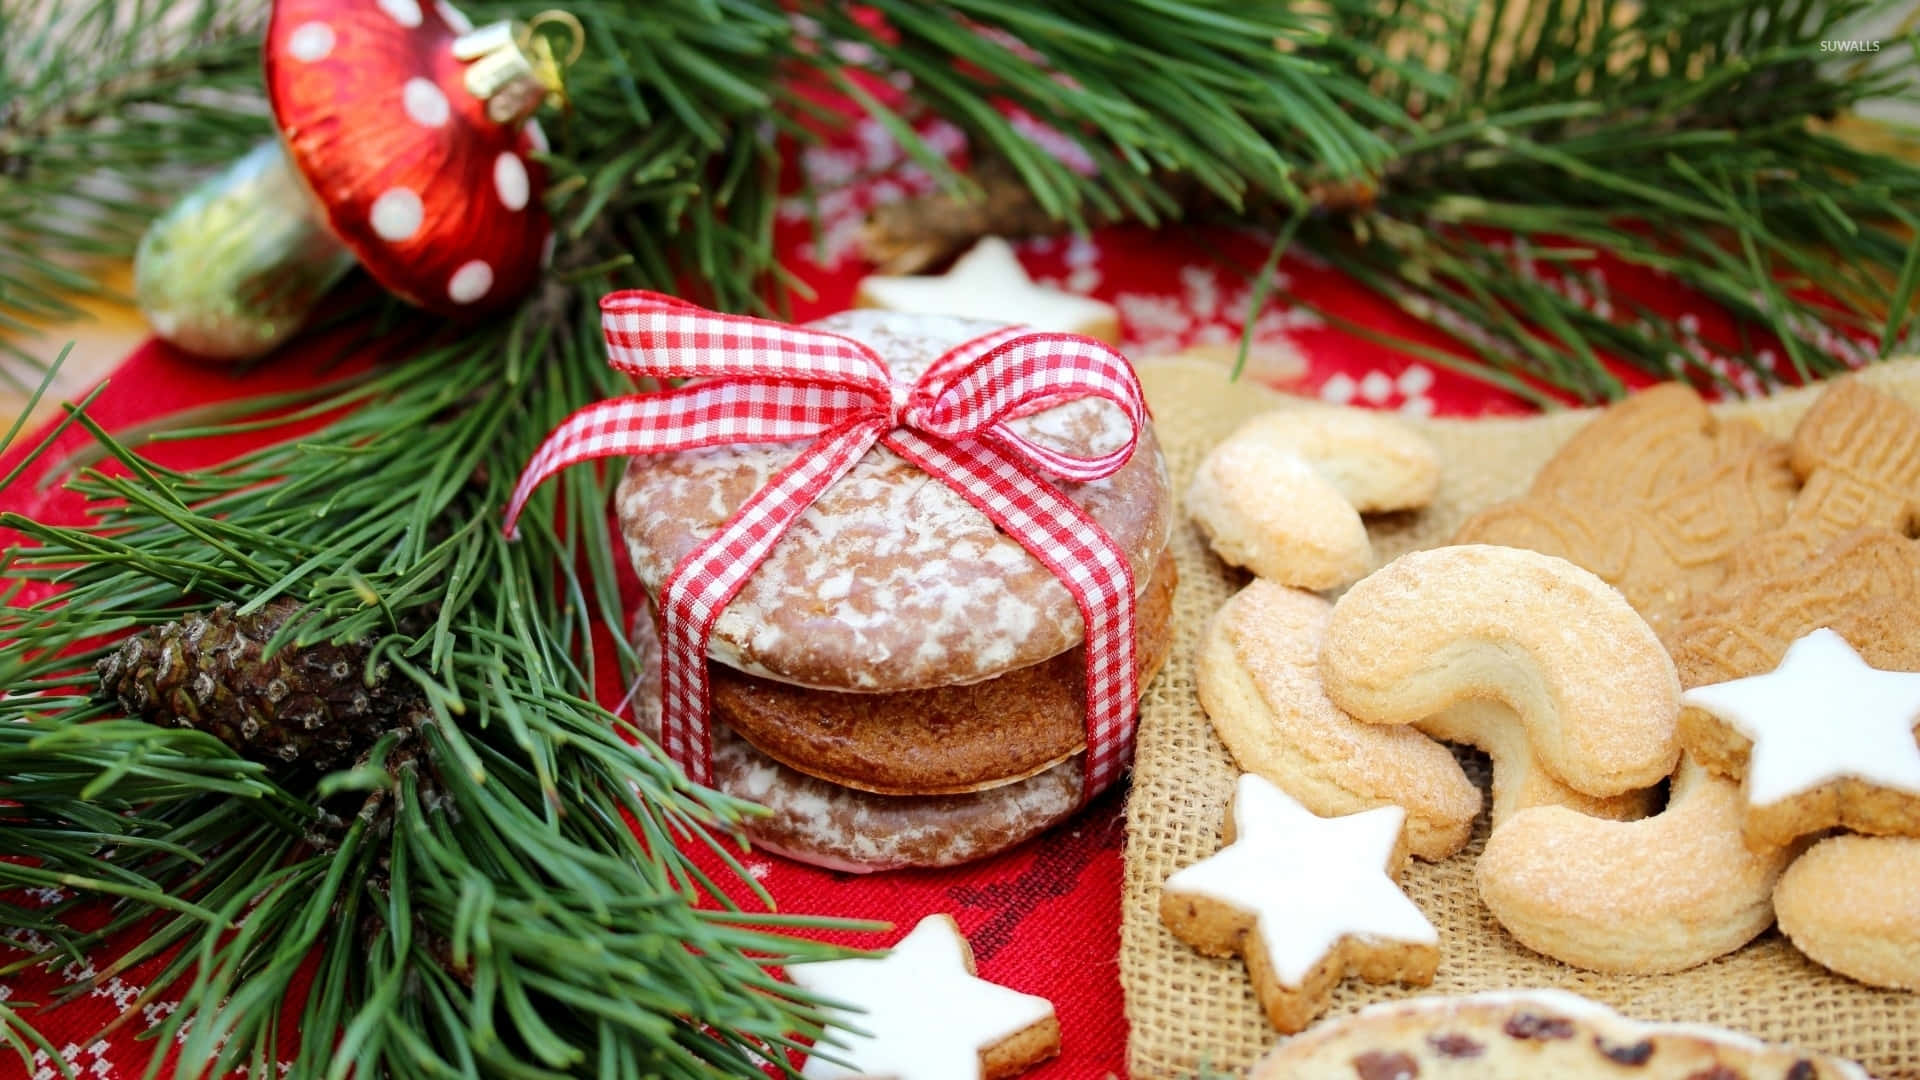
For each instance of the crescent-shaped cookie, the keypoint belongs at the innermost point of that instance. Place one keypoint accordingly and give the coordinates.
(1852, 903)
(1258, 676)
(1660, 894)
(1282, 496)
(1561, 648)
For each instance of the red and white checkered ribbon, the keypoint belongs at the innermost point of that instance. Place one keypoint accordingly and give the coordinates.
(762, 381)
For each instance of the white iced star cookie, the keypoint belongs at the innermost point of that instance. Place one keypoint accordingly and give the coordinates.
(1306, 900)
(988, 282)
(926, 1016)
(1822, 740)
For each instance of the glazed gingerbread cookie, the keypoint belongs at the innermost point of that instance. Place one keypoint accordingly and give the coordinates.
(1822, 740)
(1282, 496)
(1531, 1035)
(1258, 677)
(1305, 900)
(1852, 904)
(924, 1014)
(1653, 495)
(1556, 647)
(1659, 894)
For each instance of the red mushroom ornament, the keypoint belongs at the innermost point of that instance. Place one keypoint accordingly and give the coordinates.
(405, 144)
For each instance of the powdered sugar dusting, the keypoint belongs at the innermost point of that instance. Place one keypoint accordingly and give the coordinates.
(892, 580)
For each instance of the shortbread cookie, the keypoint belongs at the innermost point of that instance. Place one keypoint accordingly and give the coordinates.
(1282, 496)
(1306, 900)
(1660, 894)
(1852, 903)
(1823, 740)
(1258, 677)
(1531, 1035)
(924, 1015)
(1652, 496)
(1857, 452)
(988, 282)
(1555, 644)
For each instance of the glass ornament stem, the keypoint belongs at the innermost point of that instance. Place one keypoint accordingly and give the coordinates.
(233, 269)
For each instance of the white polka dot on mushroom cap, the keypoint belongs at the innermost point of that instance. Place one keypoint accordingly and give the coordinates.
(425, 102)
(510, 180)
(453, 17)
(470, 282)
(404, 12)
(536, 136)
(310, 41)
(396, 214)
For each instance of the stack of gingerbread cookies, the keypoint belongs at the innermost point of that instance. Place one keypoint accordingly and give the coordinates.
(1686, 651)
(901, 683)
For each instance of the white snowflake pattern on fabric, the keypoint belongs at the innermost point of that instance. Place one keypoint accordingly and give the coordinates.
(1406, 392)
(851, 178)
(1206, 313)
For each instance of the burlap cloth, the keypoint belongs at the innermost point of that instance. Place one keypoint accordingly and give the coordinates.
(1186, 1009)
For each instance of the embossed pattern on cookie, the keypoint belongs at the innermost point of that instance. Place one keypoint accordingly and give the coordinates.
(1857, 452)
(1651, 496)
(1865, 586)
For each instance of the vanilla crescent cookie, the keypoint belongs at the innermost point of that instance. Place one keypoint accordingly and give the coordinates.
(1561, 648)
(924, 1014)
(1519, 780)
(1531, 1035)
(1305, 900)
(1257, 673)
(1852, 903)
(1660, 894)
(1282, 496)
(1822, 740)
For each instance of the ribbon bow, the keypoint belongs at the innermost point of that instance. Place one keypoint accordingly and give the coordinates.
(763, 381)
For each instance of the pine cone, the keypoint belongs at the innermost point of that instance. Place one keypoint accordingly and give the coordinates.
(309, 704)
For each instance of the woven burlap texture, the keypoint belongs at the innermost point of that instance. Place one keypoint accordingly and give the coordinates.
(1187, 1010)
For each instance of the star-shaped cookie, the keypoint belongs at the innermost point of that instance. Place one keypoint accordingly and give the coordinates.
(1305, 900)
(925, 1016)
(988, 282)
(1827, 741)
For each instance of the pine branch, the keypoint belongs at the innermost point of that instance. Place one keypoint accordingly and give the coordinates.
(1684, 138)
(490, 908)
(107, 110)
(529, 931)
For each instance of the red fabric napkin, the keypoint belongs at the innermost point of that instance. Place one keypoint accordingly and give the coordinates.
(1044, 917)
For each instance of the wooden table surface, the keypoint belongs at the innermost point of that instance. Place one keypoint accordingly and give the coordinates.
(102, 336)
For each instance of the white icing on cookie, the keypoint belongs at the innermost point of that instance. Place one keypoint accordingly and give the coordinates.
(1822, 715)
(1309, 880)
(926, 1015)
(988, 282)
(892, 580)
